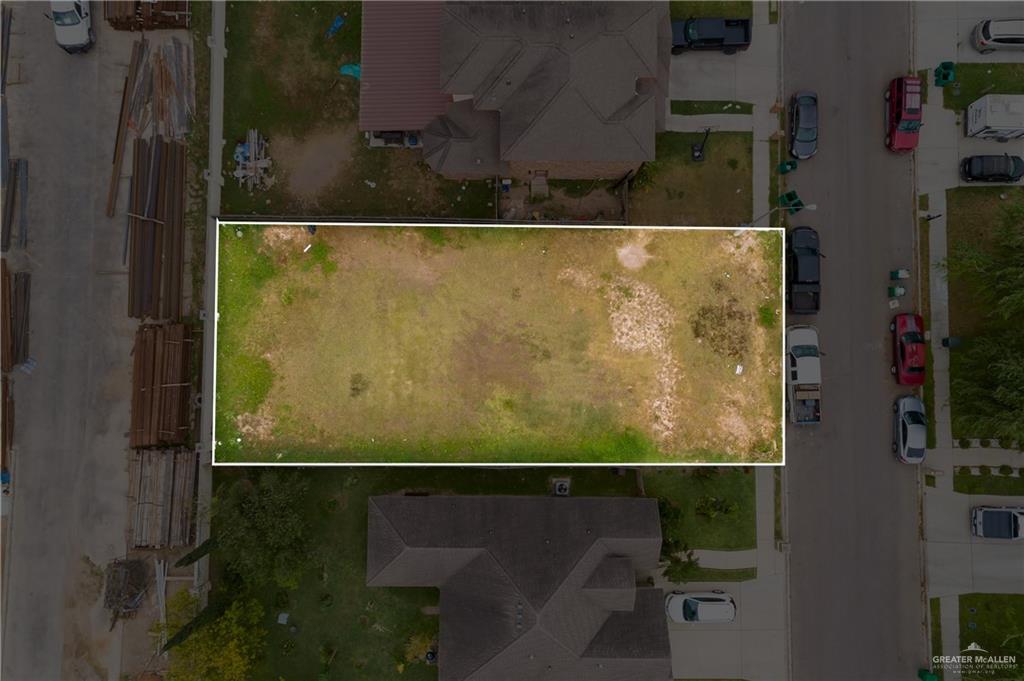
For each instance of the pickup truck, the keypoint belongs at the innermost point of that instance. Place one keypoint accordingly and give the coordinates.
(725, 35)
(803, 271)
(803, 375)
(997, 522)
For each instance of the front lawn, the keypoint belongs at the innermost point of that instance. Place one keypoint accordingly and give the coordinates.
(977, 80)
(732, 531)
(996, 623)
(378, 344)
(282, 79)
(973, 217)
(935, 618)
(727, 9)
(675, 190)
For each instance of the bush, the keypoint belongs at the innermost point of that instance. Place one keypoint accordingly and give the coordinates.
(984, 442)
(984, 470)
(964, 443)
(1006, 443)
(1006, 469)
(963, 470)
(711, 507)
(682, 568)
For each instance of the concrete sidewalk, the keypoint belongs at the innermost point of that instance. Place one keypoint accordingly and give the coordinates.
(726, 560)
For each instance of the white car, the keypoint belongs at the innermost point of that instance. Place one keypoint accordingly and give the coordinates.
(72, 24)
(909, 429)
(700, 607)
(998, 34)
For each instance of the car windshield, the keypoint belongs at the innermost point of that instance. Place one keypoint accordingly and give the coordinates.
(913, 453)
(804, 351)
(691, 31)
(915, 418)
(913, 337)
(909, 126)
(68, 18)
(690, 610)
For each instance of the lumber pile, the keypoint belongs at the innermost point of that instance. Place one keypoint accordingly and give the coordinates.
(126, 584)
(161, 386)
(15, 197)
(162, 487)
(146, 15)
(15, 294)
(6, 424)
(156, 230)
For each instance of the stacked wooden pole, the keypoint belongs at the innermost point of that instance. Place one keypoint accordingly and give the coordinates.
(161, 386)
(162, 498)
(146, 15)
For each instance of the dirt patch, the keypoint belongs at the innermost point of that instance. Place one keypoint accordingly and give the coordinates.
(634, 255)
(258, 426)
(726, 328)
(486, 359)
(315, 162)
(285, 237)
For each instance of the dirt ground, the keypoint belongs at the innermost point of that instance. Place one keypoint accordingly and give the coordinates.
(315, 162)
(474, 344)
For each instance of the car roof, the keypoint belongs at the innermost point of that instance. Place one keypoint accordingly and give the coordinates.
(718, 611)
(1006, 27)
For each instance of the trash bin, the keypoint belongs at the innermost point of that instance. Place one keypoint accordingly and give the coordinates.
(786, 167)
(945, 73)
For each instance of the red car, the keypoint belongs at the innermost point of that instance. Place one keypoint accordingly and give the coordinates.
(903, 113)
(908, 349)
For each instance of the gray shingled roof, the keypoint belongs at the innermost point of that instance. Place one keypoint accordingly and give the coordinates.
(571, 81)
(531, 587)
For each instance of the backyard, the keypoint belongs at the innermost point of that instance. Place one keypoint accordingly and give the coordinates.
(469, 344)
(288, 86)
(974, 217)
(676, 190)
(339, 627)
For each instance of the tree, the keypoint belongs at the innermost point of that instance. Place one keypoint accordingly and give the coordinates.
(224, 649)
(261, 532)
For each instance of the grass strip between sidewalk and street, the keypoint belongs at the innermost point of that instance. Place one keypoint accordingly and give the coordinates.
(702, 107)
(724, 9)
(924, 268)
(935, 610)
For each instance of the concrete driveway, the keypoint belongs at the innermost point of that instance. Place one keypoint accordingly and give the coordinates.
(69, 478)
(856, 584)
(944, 31)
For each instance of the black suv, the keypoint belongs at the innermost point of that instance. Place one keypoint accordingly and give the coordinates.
(1003, 168)
(803, 271)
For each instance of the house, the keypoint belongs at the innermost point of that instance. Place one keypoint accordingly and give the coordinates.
(530, 587)
(565, 89)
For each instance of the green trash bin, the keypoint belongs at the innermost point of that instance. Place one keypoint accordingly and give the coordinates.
(787, 167)
(945, 73)
(925, 675)
(788, 199)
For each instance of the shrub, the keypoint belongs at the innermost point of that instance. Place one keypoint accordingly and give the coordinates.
(984, 442)
(711, 507)
(1006, 469)
(984, 470)
(964, 443)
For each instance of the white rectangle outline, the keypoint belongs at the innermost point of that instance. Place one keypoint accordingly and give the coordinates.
(262, 221)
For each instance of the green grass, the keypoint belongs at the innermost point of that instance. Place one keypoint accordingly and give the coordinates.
(998, 627)
(695, 107)
(924, 258)
(972, 215)
(935, 609)
(733, 532)
(780, 534)
(922, 202)
(929, 480)
(977, 80)
(288, 87)
(924, 74)
(406, 345)
(675, 190)
(999, 485)
(370, 626)
(577, 189)
(686, 9)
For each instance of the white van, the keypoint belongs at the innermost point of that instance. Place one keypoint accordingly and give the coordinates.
(72, 24)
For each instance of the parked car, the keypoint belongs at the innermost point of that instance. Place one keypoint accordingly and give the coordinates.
(803, 375)
(998, 34)
(726, 35)
(997, 522)
(700, 607)
(908, 349)
(903, 117)
(72, 25)
(1003, 168)
(803, 271)
(909, 429)
(803, 125)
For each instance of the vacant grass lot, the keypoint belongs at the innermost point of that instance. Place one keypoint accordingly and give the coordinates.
(977, 80)
(386, 344)
(282, 78)
(675, 190)
(972, 214)
(997, 628)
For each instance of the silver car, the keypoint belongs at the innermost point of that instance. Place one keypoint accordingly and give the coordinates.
(998, 34)
(700, 607)
(909, 429)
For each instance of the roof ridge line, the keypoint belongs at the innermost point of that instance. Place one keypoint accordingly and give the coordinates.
(393, 529)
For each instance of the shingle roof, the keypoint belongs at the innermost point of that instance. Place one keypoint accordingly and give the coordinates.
(399, 87)
(531, 587)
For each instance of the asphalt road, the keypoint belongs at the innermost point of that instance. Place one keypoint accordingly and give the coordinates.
(855, 575)
(69, 478)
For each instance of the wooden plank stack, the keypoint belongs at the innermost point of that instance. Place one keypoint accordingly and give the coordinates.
(146, 15)
(161, 386)
(6, 424)
(162, 485)
(156, 230)
(15, 302)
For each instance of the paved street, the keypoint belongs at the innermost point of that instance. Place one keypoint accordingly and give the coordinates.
(856, 609)
(72, 411)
